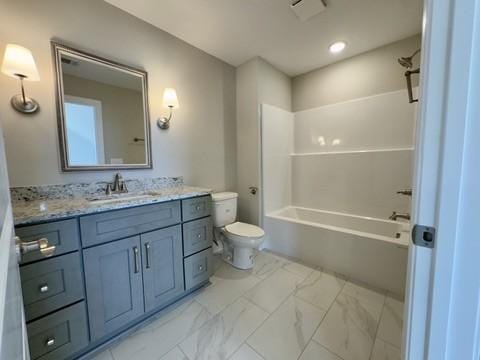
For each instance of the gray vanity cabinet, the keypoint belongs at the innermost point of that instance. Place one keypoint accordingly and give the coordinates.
(131, 263)
(162, 266)
(113, 279)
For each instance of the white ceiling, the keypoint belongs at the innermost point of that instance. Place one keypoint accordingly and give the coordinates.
(238, 30)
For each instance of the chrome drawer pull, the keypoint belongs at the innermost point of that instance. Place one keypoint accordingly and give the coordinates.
(200, 267)
(50, 342)
(43, 288)
(135, 259)
(199, 236)
(147, 253)
(197, 207)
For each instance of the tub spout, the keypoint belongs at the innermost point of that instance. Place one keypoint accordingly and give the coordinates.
(395, 216)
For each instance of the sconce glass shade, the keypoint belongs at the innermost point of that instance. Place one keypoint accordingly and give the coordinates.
(170, 99)
(18, 62)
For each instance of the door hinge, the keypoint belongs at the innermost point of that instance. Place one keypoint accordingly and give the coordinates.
(423, 235)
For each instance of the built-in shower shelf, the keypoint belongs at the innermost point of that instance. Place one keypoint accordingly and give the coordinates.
(352, 151)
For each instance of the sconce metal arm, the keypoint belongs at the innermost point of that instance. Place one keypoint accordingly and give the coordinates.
(164, 122)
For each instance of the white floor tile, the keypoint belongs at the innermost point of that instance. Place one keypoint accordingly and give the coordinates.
(315, 351)
(320, 289)
(266, 264)
(287, 331)
(105, 355)
(156, 339)
(220, 337)
(224, 292)
(384, 351)
(391, 322)
(365, 293)
(272, 291)
(175, 354)
(349, 328)
(298, 269)
(246, 353)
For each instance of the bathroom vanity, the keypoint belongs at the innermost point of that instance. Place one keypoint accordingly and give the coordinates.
(115, 264)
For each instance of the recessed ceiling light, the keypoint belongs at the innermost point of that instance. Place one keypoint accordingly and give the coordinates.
(337, 47)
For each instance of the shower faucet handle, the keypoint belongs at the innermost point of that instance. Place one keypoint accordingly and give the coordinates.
(253, 190)
(407, 192)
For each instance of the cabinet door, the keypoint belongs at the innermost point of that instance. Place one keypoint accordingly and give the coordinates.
(113, 277)
(162, 266)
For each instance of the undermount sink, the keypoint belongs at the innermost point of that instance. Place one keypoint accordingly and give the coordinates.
(117, 198)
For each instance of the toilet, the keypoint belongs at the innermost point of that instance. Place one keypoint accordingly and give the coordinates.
(240, 241)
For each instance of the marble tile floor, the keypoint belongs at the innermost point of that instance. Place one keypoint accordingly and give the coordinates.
(279, 310)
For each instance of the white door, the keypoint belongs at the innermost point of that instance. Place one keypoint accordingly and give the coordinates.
(442, 305)
(13, 339)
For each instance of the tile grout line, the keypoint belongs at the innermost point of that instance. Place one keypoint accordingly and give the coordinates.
(291, 294)
(378, 326)
(320, 323)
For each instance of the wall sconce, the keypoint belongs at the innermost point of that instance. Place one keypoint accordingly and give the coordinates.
(170, 101)
(18, 63)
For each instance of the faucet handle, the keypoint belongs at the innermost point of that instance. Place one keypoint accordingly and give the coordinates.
(108, 190)
(407, 192)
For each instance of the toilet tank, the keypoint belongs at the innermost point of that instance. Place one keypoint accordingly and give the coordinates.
(224, 208)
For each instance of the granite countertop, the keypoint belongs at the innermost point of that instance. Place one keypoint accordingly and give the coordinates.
(28, 212)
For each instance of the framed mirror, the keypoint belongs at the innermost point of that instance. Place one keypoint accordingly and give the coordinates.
(102, 109)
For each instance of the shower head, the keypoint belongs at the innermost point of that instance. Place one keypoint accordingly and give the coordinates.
(407, 62)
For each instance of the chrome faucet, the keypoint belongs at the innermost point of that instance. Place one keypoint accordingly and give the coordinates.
(119, 186)
(396, 216)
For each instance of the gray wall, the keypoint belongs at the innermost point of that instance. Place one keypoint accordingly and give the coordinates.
(257, 82)
(201, 143)
(367, 74)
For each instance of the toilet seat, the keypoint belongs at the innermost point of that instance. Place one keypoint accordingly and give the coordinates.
(244, 230)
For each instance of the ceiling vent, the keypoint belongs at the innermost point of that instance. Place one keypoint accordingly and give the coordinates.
(306, 9)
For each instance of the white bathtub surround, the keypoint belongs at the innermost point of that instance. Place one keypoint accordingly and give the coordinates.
(362, 248)
(379, 122)
(347, 162)
(361, 183)
(277, 146)
(241, 330)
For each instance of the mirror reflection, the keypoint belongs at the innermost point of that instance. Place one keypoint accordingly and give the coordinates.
(104, 122)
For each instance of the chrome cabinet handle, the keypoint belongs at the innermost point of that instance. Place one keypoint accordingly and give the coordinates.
(43, 288)
(147, 255)
(197, 207)
(200, 267)
(199, 236)
(41, 245)
(135, 259)
(50, 342)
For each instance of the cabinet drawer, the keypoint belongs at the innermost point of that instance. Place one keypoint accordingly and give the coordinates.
(59, 335)
(51, 284)
(198, 268)
(63, 234)
(197, 236)
(118, 224)
(196, 208)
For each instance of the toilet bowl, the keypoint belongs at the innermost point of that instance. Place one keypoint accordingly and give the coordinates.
(239, 240)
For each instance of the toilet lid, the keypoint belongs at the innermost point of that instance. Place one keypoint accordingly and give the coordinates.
(245, 230)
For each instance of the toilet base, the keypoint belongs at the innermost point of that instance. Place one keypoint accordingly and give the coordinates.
(240, 258)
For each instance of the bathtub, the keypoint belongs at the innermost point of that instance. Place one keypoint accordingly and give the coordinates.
(370, 250)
